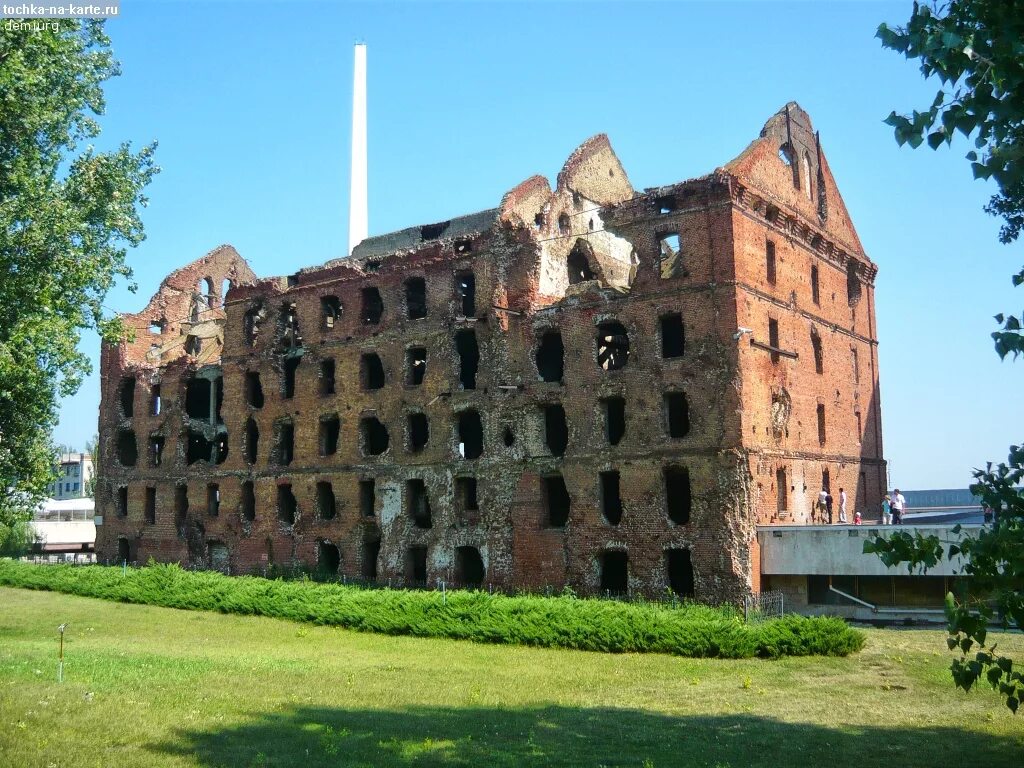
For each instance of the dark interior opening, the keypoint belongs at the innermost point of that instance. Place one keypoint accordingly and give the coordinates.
(156, 450)
(374, 436)
(853, 288)
(128, 397)
(253, 389)
(218, 397)
(180, 506)
(769, 262)
(578, 266)
(433, 231)
(286, 504)
(330, 429)
(556, 429)
(469, 358)
(198, 448)
(614, 572)
(680, 572)
(418, 503)
(665, 204)
(673, 336)
(612, 345)
(469, 567)
(815, 290)
(326, 504)
(124, 550)
(415, 365)
(155, 404)
(149, 512)
(614, 419)
(773, 339)
(508, 437)
(197, 399)
(821, 423)
(677, 494)
(465, 289)
(819, 355)
(220, 448)
(326, 377)
(419, 431)
(127, 448)
(556, 500)
(328, 558)
(371, 553)
(471, 434)
(371, 371)
(289, 325)
(285, 443)
(781, 490)
(367, 497)
(465, 494)
(330, 310)
(122, 501)
(416, 297)
(677, 414)
(248, 501)
(251, 323)
(611, 500)
(373, 306)
(416, 565)
(213, 500)
(551, 357)
(252, 441)
(291, 365)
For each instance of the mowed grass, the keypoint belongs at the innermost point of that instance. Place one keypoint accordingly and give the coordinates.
(153, 686)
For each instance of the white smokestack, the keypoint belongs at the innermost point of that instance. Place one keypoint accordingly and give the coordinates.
(358, 220)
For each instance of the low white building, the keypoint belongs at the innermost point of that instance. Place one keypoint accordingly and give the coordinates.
(66, 529)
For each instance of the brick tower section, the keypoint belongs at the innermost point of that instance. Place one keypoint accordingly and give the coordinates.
(587, 386)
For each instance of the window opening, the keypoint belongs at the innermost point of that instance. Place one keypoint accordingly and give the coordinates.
(853, 288)
(180, 506)
(557, 503)
(330, 429)
(373, 306)
(326, 377)
(819, 358)
(418, 503)
(680, 572)
(251, 323)
(416, 565)
(612, 345)
(330, 311)
(371, 371)
(821, 423)
(677, 414)
(419, 432)
(670, 256)
(611, 500)
(578, 266)
(470, 434)
(563, 224)
(252, 441)
(367, 497)
(285, 443)
(469, 358)
(773, 338)
(328, 558)
(156, 450)
(416, 298)
(127, 448)
(556, 429)
(371, 553)
(781, 489)
(673, 336)
(287, 506)
(253, 389)
(769, 257)
(374, 435)
(415, 365)
(815, 291)
(155, 404)
(289, 324)
(122, 501)
(248, 501)
(465, 287)
(550, 357)
(213, 500)
(469, 567)
(614, 419)
(291, 365)
(614, 572)
(326, 505)
(677, 494)
(128, 397)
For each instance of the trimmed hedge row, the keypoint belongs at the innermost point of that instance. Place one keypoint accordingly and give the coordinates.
(555, 622)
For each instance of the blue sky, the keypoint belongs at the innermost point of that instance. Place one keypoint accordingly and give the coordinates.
(250, 104)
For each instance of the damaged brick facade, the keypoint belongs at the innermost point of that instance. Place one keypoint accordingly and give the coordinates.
(586, 386)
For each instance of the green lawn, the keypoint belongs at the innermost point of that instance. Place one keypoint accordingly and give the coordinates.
(158, 687)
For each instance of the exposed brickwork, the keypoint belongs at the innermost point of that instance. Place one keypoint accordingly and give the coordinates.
(584, 260)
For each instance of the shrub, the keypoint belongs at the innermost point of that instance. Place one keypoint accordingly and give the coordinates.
(556, 622)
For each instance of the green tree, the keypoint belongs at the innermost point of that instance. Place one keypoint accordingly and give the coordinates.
(92, 447)
(975, 48)
(67, 215)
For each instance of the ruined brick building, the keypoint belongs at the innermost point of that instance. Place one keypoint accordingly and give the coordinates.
(587, 385)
